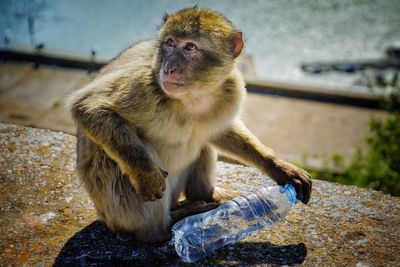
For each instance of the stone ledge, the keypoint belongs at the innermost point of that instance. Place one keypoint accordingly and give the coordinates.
(46, 215)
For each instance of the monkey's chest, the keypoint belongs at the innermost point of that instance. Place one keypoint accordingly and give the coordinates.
(178, 147)
(176, 159)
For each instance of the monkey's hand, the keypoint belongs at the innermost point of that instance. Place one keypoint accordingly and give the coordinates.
(286, 173)
(151, 185)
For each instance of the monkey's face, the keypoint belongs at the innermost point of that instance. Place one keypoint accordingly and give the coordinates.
(197, 51)
(181, 57)
(189, 64)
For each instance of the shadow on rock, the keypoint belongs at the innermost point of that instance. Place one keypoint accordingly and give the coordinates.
(95, 245)
(263, 253)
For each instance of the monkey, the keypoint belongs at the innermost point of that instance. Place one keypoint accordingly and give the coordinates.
(151, 122)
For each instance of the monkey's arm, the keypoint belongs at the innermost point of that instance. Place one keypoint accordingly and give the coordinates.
(104, 126)
(239, 142)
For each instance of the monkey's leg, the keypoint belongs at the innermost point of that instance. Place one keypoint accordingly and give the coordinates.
(121, 142)
(191, 208)
(201, 193)
(200, 183)
(116, 201)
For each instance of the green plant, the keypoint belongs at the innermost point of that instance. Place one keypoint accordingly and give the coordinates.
(377, 164)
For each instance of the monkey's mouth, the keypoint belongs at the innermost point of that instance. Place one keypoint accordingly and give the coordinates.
(173, 86)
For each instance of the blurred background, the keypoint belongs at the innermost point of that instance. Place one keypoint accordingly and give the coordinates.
(322, 75)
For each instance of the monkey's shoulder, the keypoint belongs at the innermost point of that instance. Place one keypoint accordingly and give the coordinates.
(131, 72)
(140, 53)
(138, 56)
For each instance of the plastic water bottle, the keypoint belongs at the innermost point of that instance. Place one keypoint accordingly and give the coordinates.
(196, 236)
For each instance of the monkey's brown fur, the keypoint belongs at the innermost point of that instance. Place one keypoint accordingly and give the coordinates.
(141, 143)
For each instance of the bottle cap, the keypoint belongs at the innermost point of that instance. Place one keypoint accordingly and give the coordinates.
(291, 194)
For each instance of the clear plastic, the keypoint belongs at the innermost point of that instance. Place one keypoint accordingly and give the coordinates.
(199, 235)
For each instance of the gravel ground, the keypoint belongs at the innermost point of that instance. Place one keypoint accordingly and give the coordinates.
(46, 216)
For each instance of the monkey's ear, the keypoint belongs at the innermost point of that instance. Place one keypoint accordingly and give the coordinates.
(165, 17)
(237, 43)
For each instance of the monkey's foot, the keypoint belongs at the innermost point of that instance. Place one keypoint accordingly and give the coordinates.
(222, 194)
(191, 208)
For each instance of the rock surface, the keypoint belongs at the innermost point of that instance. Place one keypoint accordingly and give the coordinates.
(46, 217)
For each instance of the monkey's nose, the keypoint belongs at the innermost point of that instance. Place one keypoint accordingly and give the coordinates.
(169, 71)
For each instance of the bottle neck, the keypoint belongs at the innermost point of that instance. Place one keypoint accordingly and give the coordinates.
(291, 193)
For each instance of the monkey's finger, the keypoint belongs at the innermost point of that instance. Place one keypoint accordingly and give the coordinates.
(198, 203)
(299, 189)
(144, 198)
(202, 206)
(306, 190)
(165, 174)
(148, 198)
(211, 206)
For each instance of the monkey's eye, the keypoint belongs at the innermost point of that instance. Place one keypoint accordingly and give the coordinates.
(190, 47)
(170, 42)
